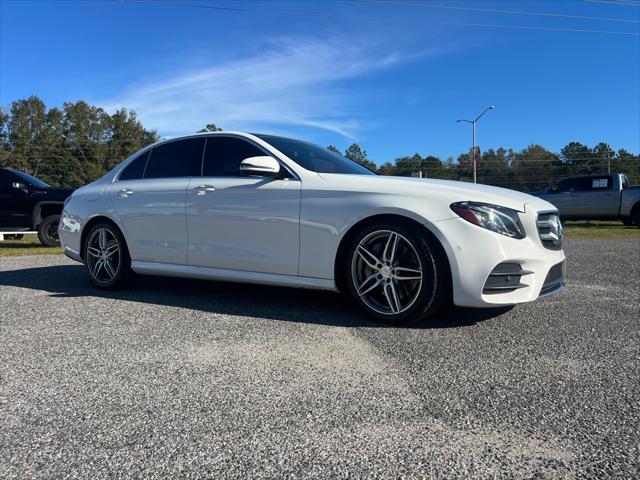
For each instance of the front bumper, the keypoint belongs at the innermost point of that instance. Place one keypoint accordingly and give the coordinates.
(475, 252)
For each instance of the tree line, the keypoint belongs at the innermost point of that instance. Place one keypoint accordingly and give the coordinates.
(79, 143)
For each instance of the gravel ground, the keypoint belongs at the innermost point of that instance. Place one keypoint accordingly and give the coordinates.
(178, 378)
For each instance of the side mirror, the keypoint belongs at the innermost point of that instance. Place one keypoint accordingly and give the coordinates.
(263, 166)
(18, 185)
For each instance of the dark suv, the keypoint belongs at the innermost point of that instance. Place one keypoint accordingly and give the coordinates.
(27, 203)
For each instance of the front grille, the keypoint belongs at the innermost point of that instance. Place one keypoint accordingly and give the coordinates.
(505, 278)
(554, 279)
(550, 230)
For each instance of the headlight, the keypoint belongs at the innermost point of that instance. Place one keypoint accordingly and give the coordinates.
(497, 219)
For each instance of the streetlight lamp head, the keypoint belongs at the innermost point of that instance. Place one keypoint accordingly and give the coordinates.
(491, 107)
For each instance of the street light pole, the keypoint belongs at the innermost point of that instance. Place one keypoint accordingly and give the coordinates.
(473, 148)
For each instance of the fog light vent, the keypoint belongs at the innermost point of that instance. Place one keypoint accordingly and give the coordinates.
(505, 278)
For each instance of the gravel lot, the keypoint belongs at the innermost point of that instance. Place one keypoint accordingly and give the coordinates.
(179, 378)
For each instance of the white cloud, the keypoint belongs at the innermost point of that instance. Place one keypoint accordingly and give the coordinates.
(295, 82)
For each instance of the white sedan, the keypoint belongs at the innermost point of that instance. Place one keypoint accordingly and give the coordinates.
(272, 210)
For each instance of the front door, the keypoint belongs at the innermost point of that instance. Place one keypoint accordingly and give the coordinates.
(14, 201)
(242, 223)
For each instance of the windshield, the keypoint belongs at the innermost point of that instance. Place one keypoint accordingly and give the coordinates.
(32, 180)
(314, 157)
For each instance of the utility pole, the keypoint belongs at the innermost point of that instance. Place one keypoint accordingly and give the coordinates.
(473, 148)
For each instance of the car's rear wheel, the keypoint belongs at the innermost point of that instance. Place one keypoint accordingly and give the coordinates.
(48, 231)
(393, 274)
(106, 256)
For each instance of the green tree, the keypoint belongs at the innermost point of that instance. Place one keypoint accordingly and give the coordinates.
(211, 127)
(355, 153)
(533, 168)
(494, 168)
(68, 147)
(334, 149)
(573, 159)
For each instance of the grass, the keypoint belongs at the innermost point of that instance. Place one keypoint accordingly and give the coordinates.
(597, 230)
(30, 245)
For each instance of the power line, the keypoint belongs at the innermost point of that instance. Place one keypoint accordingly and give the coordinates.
(490, 10)
(386, 19)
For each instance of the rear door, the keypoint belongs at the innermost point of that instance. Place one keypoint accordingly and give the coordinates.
(149, 198)
(242, 223)
(599, 198)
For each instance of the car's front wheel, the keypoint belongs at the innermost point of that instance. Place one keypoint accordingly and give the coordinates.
(393, 274)
(106, 256)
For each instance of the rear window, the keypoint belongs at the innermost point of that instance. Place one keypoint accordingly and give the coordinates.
(181, 158)
(600, 183)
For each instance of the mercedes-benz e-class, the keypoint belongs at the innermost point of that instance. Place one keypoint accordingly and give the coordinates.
(272, 210)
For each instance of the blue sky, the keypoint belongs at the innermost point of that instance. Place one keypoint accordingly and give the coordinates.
(392, 77)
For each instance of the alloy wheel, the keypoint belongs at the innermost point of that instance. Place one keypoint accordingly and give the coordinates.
(103, 256)
(51, 233)
(387, 272)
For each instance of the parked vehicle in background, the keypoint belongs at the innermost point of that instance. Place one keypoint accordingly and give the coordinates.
(272, 210)
(27, 203)
(595, 197)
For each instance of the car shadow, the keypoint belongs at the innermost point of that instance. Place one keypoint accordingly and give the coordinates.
(276, 303)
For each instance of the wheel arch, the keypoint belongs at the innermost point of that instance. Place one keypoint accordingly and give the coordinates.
(42, 210)
(442, 258)
(94, 221)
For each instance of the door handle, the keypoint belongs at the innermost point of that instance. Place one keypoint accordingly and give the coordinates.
(203, 189)
(125, 193)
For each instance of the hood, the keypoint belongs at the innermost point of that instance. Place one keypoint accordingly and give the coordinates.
(445, 190)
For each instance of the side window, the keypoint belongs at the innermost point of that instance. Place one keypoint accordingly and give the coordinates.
(222, 156)
(181, 158)
(5, 181)
(575, 185)
(565, 185)
(601, 183)
(135, 169)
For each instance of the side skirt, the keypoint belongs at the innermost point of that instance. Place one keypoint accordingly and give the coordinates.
(207, 273)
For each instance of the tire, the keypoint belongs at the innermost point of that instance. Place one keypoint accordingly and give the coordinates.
(627, 222)
(106, 257)
(635, 216)
(48, 231)
(396, 285)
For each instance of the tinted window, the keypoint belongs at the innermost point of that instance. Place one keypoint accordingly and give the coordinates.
(222, 156)
(135, 169)
(5, 181)
(314, 157)
(36, 182)
(181, 158)
(574, 185)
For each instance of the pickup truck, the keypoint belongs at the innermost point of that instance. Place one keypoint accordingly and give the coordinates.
(27, 203)
(595, 197)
